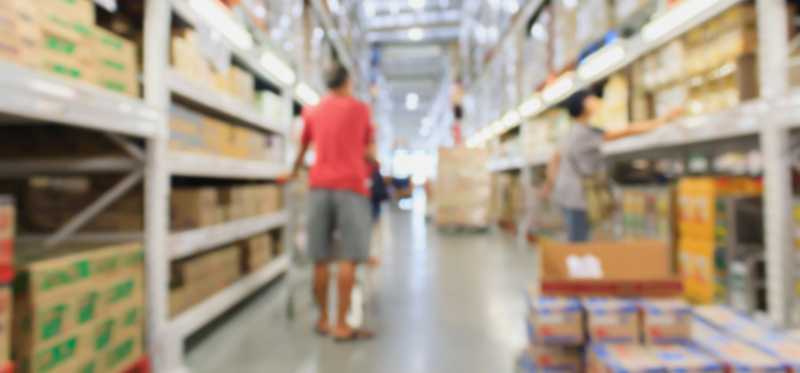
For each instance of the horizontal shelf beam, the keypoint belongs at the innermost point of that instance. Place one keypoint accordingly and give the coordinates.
(66, 166)
(200, 165)
(220, 103)
(200, 315)
(40, 96)
(188, 243)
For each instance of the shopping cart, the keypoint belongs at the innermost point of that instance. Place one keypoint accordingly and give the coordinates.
(299, 277)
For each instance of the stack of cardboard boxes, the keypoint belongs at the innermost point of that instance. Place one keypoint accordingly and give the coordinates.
(7, 232)
(196, 133)
(198, 278)
(189, 61)
(195, 207)
(463, 188)
(60, 37)
(80, 309)
(698, 228)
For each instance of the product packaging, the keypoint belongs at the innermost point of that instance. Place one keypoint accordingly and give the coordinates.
(612, 320)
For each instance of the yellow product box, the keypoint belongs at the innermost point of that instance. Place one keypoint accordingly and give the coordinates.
(243, 84)
(696, 259)
(74, 10)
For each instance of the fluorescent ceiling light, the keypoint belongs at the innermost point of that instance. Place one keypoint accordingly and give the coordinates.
(601, 61)
(217, 15)
(559, 89)
(412, 101)
(416, 34)
(279, 69)
(306, 94)
(530, 107)
(674, 18)
(416, 4)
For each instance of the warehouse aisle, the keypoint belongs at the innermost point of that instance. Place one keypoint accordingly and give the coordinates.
(445, 303)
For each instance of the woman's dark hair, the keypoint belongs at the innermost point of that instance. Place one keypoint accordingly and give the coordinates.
(337, 77)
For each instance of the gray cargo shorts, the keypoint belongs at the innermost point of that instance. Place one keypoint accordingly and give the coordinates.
(344, 215)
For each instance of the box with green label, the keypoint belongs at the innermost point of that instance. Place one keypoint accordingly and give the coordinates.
(81, 11)
(116, 62)
(64, 50)
(19, 24)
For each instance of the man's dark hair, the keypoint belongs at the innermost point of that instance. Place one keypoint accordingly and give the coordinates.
(337, 77)
(575, 103)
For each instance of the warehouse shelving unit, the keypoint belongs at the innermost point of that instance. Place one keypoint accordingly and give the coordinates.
(167, 336)
(768, 119)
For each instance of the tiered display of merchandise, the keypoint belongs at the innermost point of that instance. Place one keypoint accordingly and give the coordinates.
(61, 37)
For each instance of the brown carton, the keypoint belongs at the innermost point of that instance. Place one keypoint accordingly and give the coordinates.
(640, 268)
(5, 323)
(610, 320)
(666, 321)
(737, 355)
(554, 358)
(74, 10)
(555, 321)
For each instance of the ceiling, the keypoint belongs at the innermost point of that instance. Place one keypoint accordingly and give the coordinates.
(412, 40)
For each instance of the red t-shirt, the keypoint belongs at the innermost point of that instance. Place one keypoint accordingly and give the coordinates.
(340, 130)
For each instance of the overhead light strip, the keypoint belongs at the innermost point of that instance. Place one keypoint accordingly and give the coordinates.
(277, 68)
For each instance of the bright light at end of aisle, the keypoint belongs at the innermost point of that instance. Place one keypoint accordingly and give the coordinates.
(217, 15)
(416, 34)
(530, 107)
(416, 4)
(601, 61)
(556, 91)
(306, 94)
(676, 16)
(279, 69)
(412, 101)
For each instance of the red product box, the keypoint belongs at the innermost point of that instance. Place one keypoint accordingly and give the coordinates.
(7, 229)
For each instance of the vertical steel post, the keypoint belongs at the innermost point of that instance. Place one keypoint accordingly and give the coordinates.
(165, 350)
(773, 49)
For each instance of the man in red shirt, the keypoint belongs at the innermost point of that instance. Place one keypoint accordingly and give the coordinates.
(341, 132)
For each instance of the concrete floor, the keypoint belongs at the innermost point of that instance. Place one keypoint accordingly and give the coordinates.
(444, 303)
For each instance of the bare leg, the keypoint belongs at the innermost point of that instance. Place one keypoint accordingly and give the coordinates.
(321, 280)
(346, 280)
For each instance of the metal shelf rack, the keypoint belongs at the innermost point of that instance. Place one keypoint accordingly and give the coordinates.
(768, 119)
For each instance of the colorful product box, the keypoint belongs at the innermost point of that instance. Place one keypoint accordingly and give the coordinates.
(683, 359)
(666, 321)
(553, 359)
(619, 358)
(555, 321)
(736, 355)
(612, 320)
(7, 235)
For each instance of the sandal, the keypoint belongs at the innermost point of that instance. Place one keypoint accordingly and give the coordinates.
(355, 335)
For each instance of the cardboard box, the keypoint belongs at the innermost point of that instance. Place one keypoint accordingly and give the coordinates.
(666, 321)
(636, 268)
(614, 358)
(736, 355)
(610, 320)
(6, 307)
(66, 47)
(764, 338)
(555, 321)
(74, 10)
(680, 358)
(553, 359)
(193, 208)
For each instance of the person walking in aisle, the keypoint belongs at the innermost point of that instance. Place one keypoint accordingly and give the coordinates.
(580, 155)
(341, 132)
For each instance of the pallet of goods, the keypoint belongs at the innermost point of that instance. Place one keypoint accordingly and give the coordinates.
(79, 308)
(463, 188)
